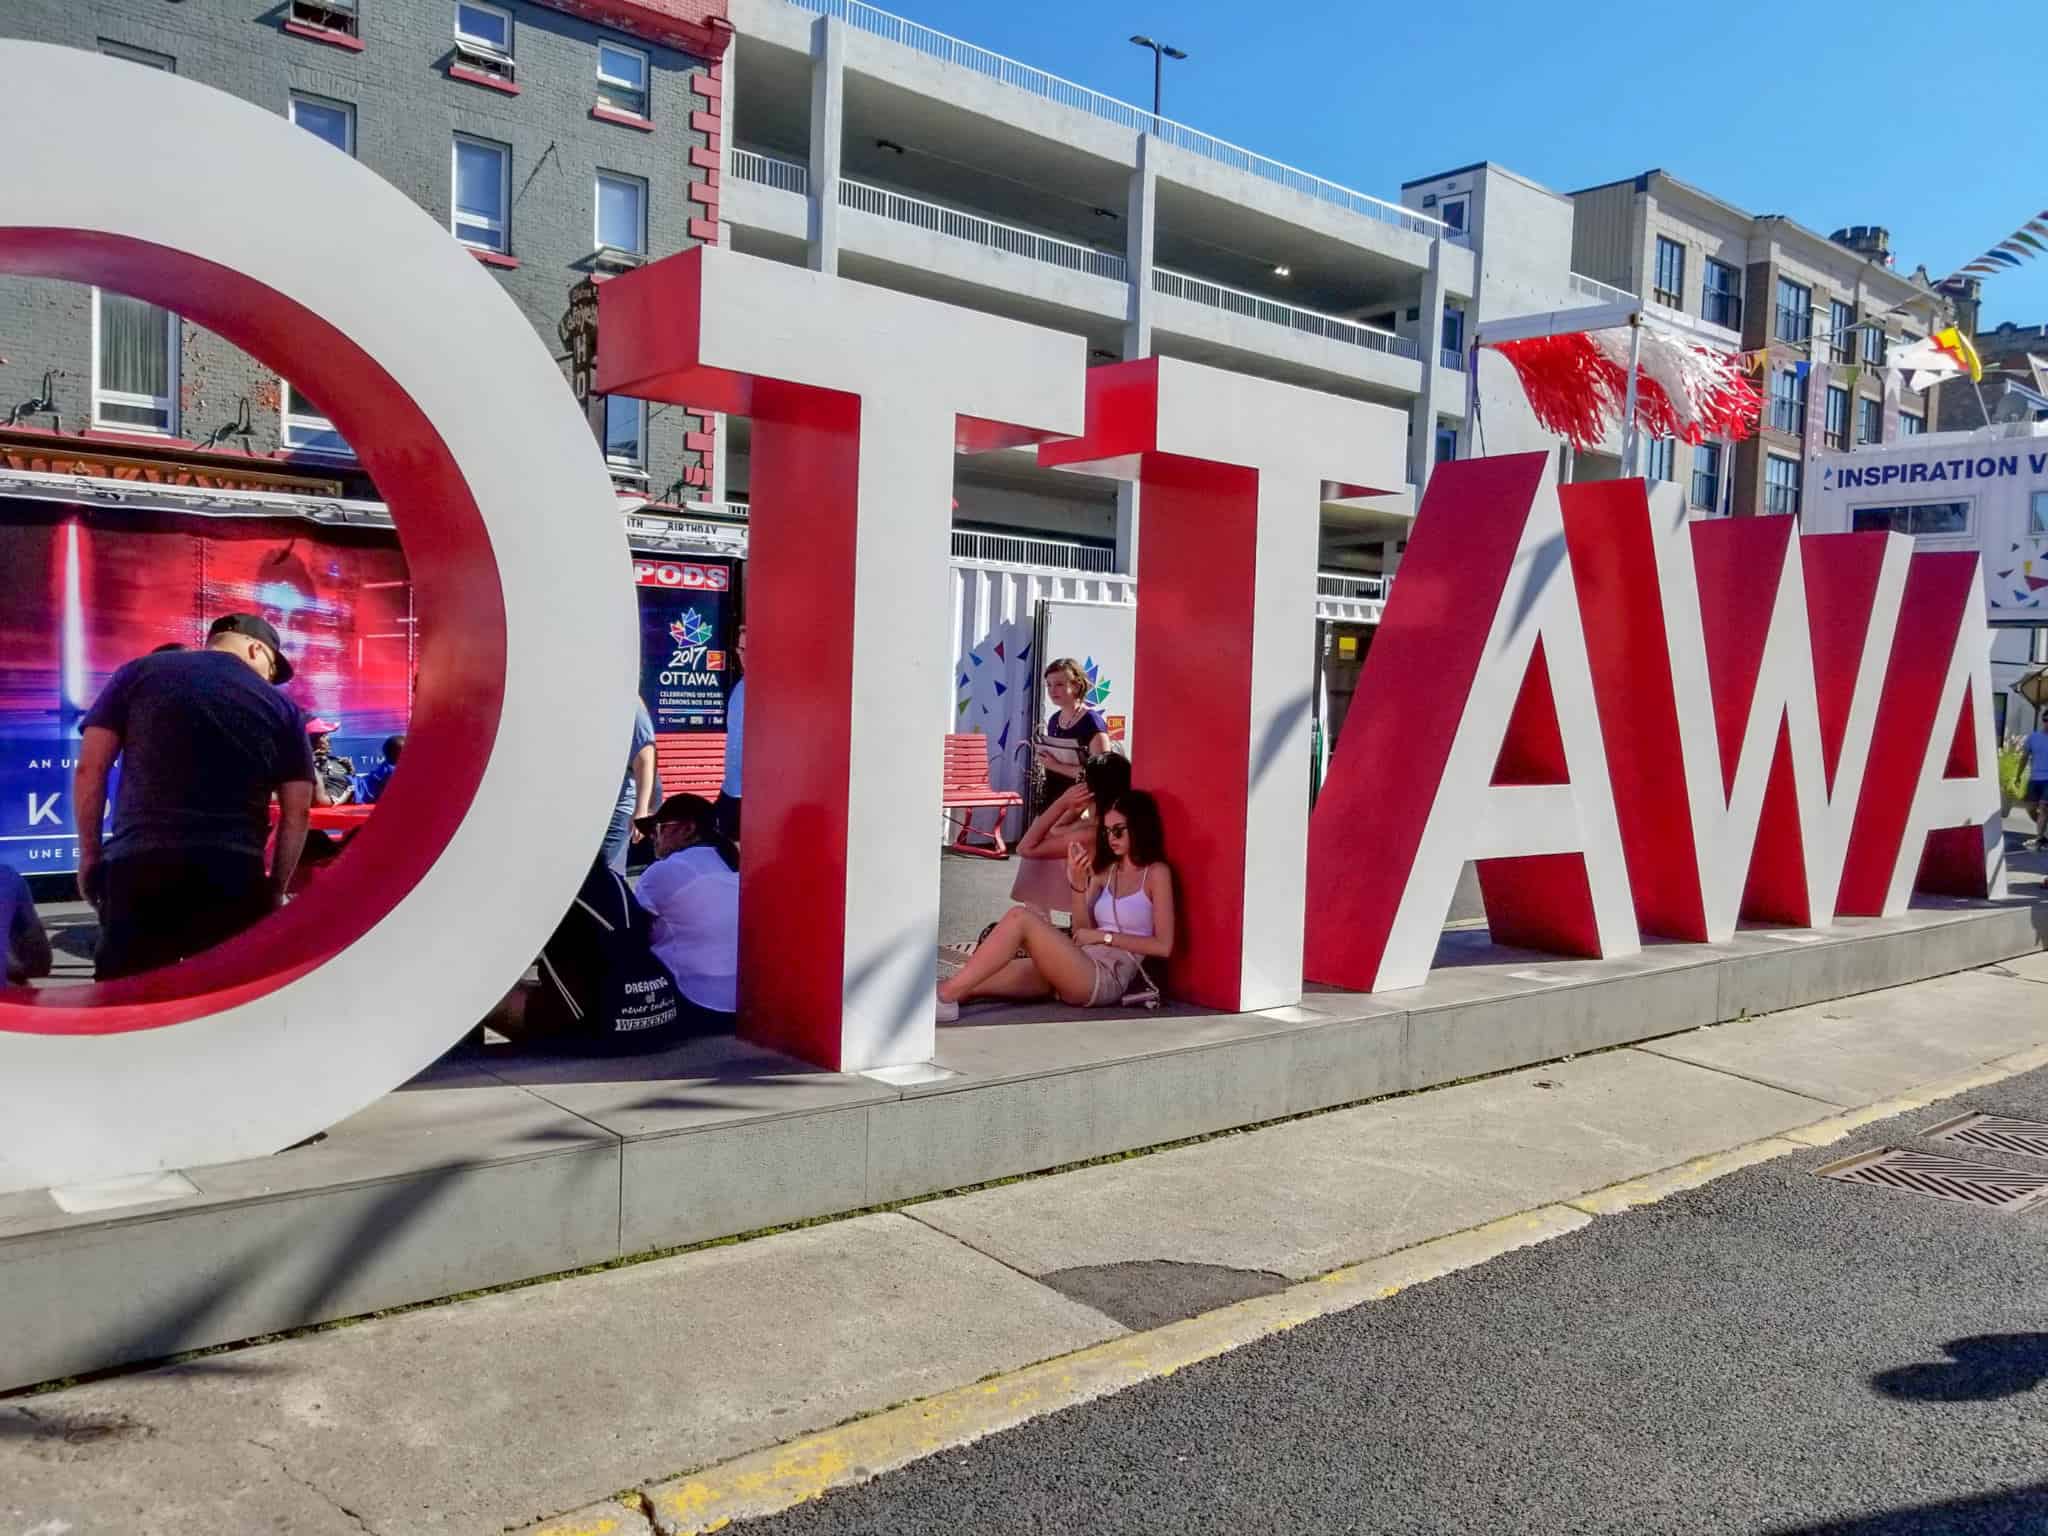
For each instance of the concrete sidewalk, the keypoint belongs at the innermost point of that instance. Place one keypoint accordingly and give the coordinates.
(492, 1413)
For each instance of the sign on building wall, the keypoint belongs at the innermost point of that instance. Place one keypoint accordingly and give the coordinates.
(1986, 492)
(687, 669)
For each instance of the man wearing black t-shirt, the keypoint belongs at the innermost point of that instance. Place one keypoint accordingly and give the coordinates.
(205, 740)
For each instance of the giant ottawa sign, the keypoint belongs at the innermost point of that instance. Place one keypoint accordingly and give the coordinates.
(1631, 723)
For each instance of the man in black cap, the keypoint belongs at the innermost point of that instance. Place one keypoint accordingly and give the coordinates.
(204, 740)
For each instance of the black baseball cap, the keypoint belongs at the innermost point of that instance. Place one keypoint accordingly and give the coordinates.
(256, 629)
(684, 807)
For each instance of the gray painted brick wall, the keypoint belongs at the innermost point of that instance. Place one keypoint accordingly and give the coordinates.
(407, 112)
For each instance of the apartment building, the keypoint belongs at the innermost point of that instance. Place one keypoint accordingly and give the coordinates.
(867, 145)
(558, 139)
(1817, 314)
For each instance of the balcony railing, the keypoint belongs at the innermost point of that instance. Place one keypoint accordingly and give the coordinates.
(951, 50)
(1452, 359)
(1599, 292)
(884, 204)
(1048, 554)
(1368, 588)
(1179, 285)
(771, 171)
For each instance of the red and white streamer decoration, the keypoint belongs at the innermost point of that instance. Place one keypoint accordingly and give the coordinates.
(1578, 386)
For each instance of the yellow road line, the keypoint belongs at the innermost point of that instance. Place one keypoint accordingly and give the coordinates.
(606, 1519)
(778, 1477)
(1652, 1187)
(782, 1476)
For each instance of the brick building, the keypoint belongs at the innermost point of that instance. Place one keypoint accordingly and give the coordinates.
(557, 139)
(1824, 310)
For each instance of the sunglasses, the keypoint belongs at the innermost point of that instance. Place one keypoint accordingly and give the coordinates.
(1116, 828)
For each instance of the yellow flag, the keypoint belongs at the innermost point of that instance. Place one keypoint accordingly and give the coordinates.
(1957, 345)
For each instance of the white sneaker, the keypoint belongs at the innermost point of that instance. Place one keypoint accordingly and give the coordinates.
(948, 1013)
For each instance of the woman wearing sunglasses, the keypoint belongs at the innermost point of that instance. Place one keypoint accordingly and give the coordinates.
(1123, 916)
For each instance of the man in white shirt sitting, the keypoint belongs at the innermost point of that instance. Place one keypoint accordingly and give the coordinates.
(693, 891)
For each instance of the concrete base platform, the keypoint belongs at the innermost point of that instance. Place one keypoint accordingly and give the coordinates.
(492, 1168)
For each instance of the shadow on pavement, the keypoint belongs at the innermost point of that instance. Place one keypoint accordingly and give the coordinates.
(2009, 1512)
(1981, 1369)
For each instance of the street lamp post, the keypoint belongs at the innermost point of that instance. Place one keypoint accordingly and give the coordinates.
(1161, 52)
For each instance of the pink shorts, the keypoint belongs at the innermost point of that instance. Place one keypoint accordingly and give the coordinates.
(1115, 970)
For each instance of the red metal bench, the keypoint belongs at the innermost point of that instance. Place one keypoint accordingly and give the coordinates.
(691, 762)
(968, 790)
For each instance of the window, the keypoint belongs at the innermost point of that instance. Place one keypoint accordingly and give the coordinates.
(135, 364)
(1661, 458)
(1454, 329)
(621, 213)
(1788, 401)
(2039, 516)
(483, 38)
(328, 15)
(142, 56)
(1721, 295)
(334, 121)
(1795, 311)
(1452, 212)
(1841, 332)
(1670, 284)
(1706, 476)
(1838, 417)
(622, 79)
(1874, 345)
(1911, 425)
(483, 179)
(307, 428)
(625, 432)
(1869, 421)
(1781, 485)
(1446, 443)
(1930, 519)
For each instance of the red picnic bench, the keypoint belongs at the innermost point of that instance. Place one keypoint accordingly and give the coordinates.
(691, 762)
(968, 790)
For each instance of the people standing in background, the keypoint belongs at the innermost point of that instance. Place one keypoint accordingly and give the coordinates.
(334, 778)
(374, 781)
(2034, 758)
(637, 794)
(693, 891)
(1073, 732)
(205, 740)
(727, 810)
(26, 944)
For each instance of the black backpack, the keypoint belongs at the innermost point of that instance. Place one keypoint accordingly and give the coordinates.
(601, 986)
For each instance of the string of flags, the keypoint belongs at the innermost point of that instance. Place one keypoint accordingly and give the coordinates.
(2024, 244)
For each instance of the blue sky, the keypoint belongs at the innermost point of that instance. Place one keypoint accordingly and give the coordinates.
(1878, 114)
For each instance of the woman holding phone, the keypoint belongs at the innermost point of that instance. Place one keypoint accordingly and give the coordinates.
(1123, 916)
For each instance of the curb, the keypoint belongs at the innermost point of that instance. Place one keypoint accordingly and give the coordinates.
(779, 1477)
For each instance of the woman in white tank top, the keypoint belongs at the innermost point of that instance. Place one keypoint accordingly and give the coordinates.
(1123, 915)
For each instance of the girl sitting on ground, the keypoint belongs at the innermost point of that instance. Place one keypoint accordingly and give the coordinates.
(1041, 882)
(1123, 916)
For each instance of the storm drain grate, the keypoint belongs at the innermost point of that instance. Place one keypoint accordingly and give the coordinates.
(1945, 1178)
(1996, 1133)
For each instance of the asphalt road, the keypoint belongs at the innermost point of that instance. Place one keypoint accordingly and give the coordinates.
(1772, 1353)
